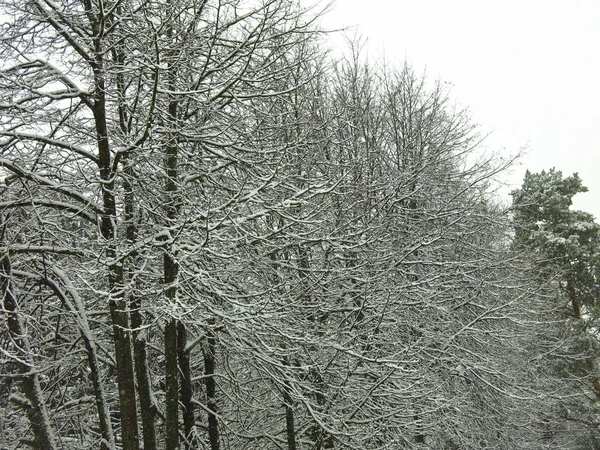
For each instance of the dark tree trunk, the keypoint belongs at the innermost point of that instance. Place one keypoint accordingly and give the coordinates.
(186, 388)
(573, 298)
(171, 273)
(289, 420)
(125, 375)
(211, 388)
(144, 385)
(117, 303)
(171, 387)
(147, 406)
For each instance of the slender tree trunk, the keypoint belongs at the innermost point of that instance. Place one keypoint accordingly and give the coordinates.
(142, 376)
(35, 406)
(171, 273)
(186, 388)
(420, 437)
(125, 375)
(147, 406)
(144, 385)
(573, 297)
(289, 420)
(117, 303)
(287, 398)
(321, 437)
(211, 388)
(172, 400)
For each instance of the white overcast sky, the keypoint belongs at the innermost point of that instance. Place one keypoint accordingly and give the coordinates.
(527, 70)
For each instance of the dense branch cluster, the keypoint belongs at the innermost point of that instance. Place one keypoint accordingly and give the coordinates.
(214, 235)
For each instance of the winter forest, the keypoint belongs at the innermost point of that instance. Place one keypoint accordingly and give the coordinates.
(216, 234)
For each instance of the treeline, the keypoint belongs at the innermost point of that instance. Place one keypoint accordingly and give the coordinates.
(215, 235)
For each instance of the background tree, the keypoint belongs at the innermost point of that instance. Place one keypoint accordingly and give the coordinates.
(569, 240)
(566, 248)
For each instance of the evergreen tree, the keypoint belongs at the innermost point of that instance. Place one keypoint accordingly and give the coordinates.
(564, 239)
(565, 244)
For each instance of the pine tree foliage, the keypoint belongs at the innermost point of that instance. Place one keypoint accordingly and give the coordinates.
(568, 239)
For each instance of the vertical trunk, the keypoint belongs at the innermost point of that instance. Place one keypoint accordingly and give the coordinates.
(186, 388)
(289, 420)
(35, 407)
(147, 407)
(117, 303)
(211, 388)
(142, 376)
(171, 386)
(420, 437)
(290, 427)
(573, 298)
(171, 273)
(125, 375)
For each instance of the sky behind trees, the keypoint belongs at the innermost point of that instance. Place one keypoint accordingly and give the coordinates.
(526, 70)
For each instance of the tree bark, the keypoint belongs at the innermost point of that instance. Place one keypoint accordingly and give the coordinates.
(144, 385)
(186, 388)
(573, 297)
(211, 388)
(117, 303)
(108, 440)
(171, 273)
(171, 386)
(289, 420)
(147, 406)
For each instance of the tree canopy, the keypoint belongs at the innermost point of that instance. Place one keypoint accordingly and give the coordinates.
(214, 234)
(567, 240)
